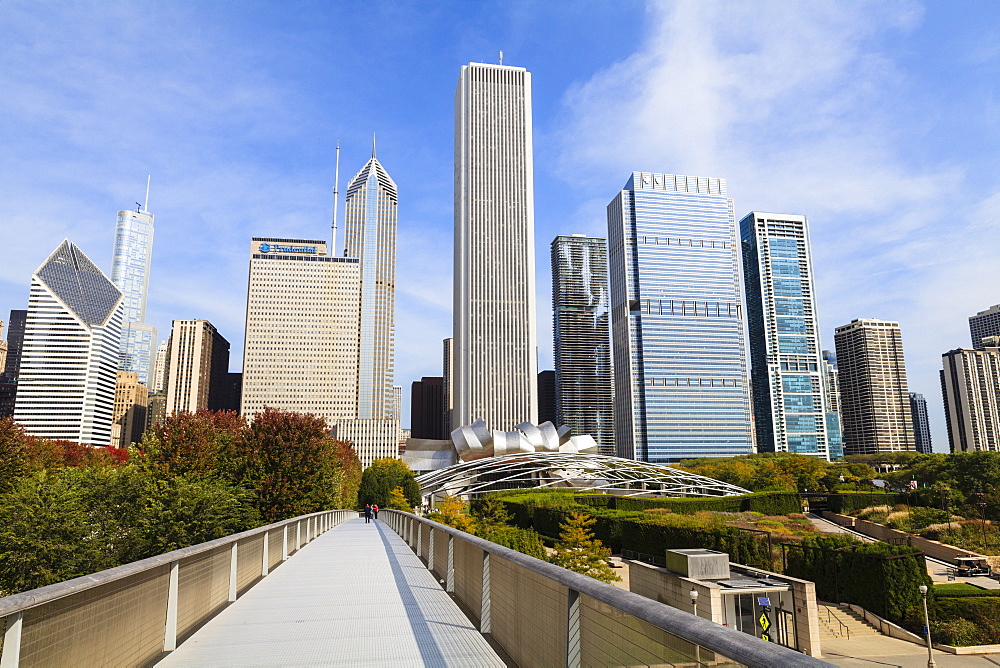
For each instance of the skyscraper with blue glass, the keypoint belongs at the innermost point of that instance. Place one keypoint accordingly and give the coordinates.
(130, 274)
(787, 369)
(677, 320)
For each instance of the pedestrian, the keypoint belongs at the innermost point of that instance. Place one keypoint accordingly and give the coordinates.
(375, 510)
(368, 513)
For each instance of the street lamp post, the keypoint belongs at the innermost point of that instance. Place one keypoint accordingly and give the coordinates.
(982, 513)
(927, 629)
(694, 610)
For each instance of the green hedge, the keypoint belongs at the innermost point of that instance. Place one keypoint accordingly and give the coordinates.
(876, 576)
(849, 502)
(626, 530)
(765, 503)
(982, 611)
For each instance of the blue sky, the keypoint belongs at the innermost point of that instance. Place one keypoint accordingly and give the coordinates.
(880, 121)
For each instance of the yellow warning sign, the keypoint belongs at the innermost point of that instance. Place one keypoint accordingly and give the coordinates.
(764, 622)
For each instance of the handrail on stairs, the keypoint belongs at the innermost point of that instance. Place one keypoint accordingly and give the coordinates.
(843, 626)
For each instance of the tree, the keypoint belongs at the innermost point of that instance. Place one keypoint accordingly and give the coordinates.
(450, 511)
(383, 476)
(397, 500)
(579, 551)
(13, 453)
(203, 444)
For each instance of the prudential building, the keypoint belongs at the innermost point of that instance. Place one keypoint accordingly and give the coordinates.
(681, 385)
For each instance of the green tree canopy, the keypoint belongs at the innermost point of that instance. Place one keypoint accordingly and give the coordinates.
(383, 476)
(579, 551)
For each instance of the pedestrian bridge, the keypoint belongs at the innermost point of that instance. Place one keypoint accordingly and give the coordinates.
(329, 589)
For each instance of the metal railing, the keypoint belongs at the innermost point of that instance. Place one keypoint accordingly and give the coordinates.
(831, 616)
(541, 614)
(132, 614)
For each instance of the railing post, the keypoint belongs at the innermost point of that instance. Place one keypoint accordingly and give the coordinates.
(170, 631)
(573, 629)
(420, 531)
(298, 535)
(449, 585)
(430, 550)
(233, 563)
(264, 560)
(284, 543)
(12, 641)
(485, 610)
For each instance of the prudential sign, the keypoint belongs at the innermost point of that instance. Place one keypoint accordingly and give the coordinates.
(275, 248)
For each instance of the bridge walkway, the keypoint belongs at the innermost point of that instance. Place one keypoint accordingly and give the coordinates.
(355, 596)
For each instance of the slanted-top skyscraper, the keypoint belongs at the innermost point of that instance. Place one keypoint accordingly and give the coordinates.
(676, 320)
(66, 382)
(787, 371)
(494, 315)
(372, 203)
(130, 273)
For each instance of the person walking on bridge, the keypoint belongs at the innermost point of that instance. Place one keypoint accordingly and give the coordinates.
(375, 510)
(368, 513)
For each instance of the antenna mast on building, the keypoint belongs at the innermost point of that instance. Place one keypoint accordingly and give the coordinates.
(336, 193)
(145, 206)
(501, 57)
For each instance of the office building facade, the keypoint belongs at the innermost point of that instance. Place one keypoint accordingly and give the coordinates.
(427, 408)
(921, 424)
(547, 411)
(831, 390)
(874, 396)
(159, 381)
(677, 327)
(301, 346)
(130, 266)
(786, 364)
(970, 383)
(197, 367)
(69, 357)
(983, 324)
(15, 340)
(448, 374)
(131, 410)
(494, 291)
(371, 217)
(581, 333)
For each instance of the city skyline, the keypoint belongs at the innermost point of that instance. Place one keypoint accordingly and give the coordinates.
(849, 97)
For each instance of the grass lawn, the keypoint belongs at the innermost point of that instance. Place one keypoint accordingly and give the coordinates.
(956, 588)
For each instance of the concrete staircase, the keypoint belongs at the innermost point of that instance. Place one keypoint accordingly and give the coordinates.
(842, 622)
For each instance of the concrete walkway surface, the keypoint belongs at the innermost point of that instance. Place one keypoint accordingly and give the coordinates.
(886, 652)
(355, 596)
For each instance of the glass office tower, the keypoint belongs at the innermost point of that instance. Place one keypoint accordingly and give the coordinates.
(786, 364)
(130, 274)
(676, 321)
(582, 339)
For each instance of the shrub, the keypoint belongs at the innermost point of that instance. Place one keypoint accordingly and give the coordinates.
(957, 632)
(522, 540)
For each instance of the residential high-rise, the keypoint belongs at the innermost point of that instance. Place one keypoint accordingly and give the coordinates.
(427, 408)
(131, 410)
(547, 411)
(371, 212)
(786, 366)
(72, 336)
(15, 340)
(130, 265)
(983, 324)
(160, 368)
(581, 335)
(921, 424)
(970, 383)
(3, 350)
(494, 316)
(301, 349)
(197, 367)
(831, 388)
(397, 403)
(874, 397)
(680, 364)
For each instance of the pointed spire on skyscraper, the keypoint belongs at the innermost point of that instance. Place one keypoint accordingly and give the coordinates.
(145, 206)
(373, 146)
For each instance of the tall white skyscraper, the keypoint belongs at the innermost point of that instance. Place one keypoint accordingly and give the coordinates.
(301, 348)
(159, 382)
(677, 323)
(130, 264)
(494, 316)
(72, 337)
(786, 363)
(197, 367)
(371, 214)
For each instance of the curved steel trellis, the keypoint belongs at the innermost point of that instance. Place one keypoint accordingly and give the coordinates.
(584, 472)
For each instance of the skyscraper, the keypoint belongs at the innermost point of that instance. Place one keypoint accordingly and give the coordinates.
(371, 212)
(831, 388)
(131, 408)
(921, 424)
(547, 410)
(130, 264)
(494, 316)
(198, 367)
(15, 339)
(970, 383)
(427, 408)
(676, 320)
(786, 366)
(72, 336)
(160, 368)
(582, 338)
(874, 397)
(983, 324)
(448, 384)
(301, 349)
